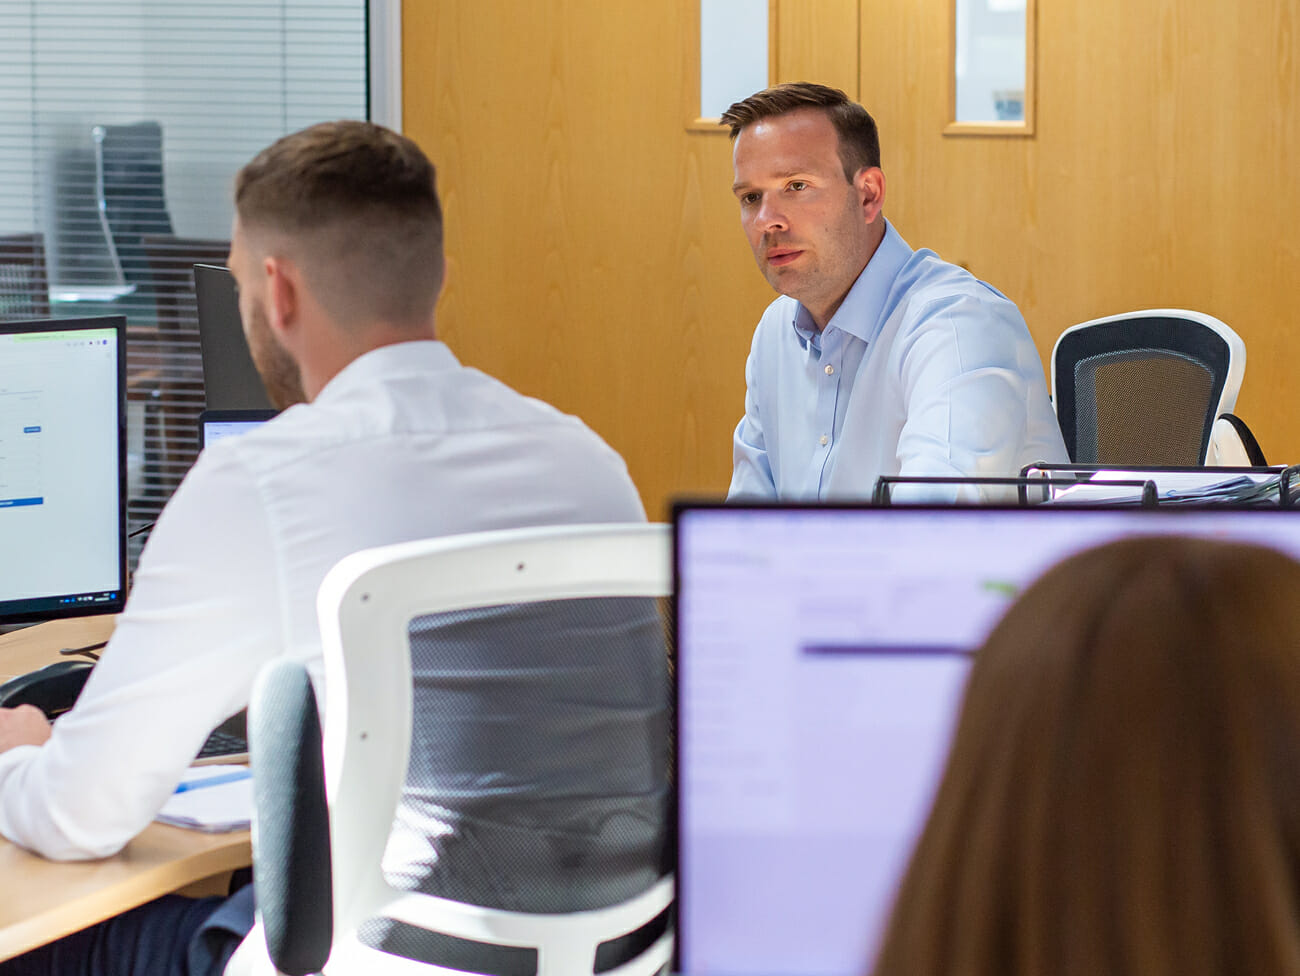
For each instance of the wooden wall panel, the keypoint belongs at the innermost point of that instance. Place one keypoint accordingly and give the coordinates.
(1162, 172)
(595, 252)
(818, 42)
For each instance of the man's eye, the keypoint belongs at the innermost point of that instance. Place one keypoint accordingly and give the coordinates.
(798, 185)
(749, 199)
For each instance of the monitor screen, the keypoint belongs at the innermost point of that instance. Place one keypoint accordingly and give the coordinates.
(62, 468)
(821, 658)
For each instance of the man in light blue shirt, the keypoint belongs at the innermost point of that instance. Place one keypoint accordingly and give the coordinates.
(877, 359)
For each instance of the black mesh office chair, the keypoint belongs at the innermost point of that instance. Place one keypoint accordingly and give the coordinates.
(1145, 388)
(130, 196)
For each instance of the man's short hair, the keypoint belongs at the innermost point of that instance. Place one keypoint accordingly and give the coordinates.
(858, 139)
(357, 206)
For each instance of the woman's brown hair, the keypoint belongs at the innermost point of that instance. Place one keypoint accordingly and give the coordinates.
(1123, 792)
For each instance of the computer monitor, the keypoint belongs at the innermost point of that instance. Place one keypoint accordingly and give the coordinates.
(821, 659)
(62, 468)
(230, 380)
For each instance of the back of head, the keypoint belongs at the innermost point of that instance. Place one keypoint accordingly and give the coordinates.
(1122, 795)
(356, 206)
(859, 140)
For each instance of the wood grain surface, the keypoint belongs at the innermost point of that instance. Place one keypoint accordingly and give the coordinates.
(44, 900)
(595, 253)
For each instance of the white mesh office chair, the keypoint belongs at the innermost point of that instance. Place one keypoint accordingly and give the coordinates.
(320, 880)
(1145, 388)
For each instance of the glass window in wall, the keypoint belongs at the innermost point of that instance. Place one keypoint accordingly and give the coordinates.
(122, 125)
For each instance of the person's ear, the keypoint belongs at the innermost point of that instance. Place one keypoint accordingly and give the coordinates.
(870, 185)
(282, 288)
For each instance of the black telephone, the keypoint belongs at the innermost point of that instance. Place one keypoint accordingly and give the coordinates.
(53, 689)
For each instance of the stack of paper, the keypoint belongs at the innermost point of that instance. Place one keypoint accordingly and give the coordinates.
(212, 799)
(1201, 487)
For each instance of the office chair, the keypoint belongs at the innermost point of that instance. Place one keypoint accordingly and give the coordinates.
(1233, 444)
(1145, 388)
(24, 279)
(552, 602)
(129, 195)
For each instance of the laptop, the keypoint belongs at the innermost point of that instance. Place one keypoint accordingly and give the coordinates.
(215, 425)
(821, 658)
(230, 380)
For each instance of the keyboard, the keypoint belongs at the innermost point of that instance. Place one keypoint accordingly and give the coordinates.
(227, 743)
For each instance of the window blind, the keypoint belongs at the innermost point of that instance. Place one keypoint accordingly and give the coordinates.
(122, 125)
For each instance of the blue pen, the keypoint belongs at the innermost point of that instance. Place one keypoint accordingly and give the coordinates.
(198, 784)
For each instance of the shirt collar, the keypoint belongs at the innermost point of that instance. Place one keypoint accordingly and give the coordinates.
(387, 362)
(863, 310)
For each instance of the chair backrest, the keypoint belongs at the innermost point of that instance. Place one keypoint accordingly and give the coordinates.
(538, 663)
(1144, 388)
(129, 194)
(24, 279)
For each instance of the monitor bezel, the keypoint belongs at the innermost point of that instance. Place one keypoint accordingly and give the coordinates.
(8, 612)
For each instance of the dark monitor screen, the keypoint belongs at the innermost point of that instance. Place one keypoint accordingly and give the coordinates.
(62, 468)
(821, 658)
(230, 380)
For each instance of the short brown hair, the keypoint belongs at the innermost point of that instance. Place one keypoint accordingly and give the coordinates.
(1123, 791)
(859, 139)
(358, 204)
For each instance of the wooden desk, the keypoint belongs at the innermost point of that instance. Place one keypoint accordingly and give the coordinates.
(41, 900)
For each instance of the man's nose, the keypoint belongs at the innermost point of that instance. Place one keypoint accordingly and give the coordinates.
(770, 216)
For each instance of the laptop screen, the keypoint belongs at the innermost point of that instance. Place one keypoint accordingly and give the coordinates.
(62, 464)
(215, 425)
(821, 657)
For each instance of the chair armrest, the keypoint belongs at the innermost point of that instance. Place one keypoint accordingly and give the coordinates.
(291, 836)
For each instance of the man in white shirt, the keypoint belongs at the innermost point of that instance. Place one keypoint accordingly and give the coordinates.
(337, 250)
(877, 360)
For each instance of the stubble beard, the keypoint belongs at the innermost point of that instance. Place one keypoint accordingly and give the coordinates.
(280, 374)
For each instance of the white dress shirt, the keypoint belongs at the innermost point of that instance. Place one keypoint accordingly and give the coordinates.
(923, 370)
(403, 444)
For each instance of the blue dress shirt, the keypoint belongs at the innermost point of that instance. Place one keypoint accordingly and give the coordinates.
(922, 370)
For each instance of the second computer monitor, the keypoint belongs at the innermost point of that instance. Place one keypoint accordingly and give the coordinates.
(62, 468)
(821, 658)
(230, 380)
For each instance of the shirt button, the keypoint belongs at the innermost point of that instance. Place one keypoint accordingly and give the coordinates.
(829, 369)
(823, 440)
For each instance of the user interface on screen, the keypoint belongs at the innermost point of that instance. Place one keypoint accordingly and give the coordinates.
(217, 430)
(62, 547)
(821, 659)
(217, 425)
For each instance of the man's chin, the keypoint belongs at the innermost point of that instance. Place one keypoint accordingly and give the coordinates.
(782, 279)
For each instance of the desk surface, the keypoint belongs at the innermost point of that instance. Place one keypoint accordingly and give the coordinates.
(42, 900)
